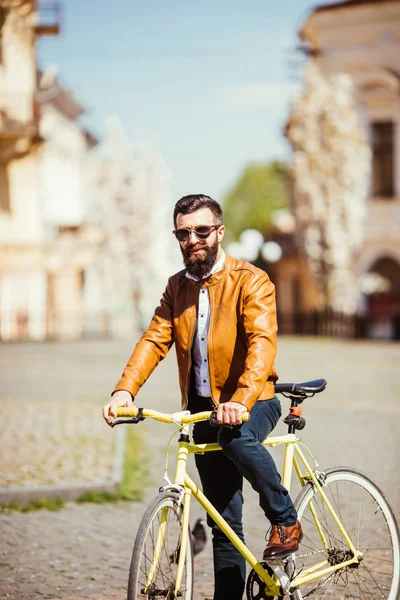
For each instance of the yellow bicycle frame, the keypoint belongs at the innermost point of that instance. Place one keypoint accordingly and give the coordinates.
(292, 454)
(293, 458)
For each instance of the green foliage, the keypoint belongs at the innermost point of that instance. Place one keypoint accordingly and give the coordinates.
(96, 497)
(44, 503)
(260, 190)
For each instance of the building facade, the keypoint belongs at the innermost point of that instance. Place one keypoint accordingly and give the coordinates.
(362, 38)
(78, 251)
(44, 243)
(70, 243)
(22, 280)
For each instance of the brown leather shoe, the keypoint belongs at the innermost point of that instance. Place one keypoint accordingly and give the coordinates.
(283, 541)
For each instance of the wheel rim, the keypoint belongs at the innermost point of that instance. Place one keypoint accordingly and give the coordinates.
(156, 578)
(369, 523)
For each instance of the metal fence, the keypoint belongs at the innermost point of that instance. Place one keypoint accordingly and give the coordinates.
(19, 325)
(333, 324)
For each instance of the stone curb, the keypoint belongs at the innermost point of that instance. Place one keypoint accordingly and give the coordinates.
(71, 490)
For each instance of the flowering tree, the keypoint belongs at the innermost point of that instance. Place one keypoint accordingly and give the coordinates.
(330, 170)
(129, 192)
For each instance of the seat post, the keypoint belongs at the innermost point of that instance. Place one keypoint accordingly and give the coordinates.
(293, 404)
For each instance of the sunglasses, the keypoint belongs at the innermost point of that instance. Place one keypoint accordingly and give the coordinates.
(201, 232)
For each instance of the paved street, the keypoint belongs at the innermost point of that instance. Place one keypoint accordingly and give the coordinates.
(83, 551)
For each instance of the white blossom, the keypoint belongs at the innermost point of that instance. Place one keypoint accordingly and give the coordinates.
(330, 168)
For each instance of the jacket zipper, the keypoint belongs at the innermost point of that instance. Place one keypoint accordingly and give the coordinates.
(212, 402)
(190, 365)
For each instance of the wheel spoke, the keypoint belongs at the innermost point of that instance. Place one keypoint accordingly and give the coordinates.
(367, 519)
(153, 565)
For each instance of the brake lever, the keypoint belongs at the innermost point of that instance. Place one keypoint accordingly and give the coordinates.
(123, 422)
(214, 423)
(139, 417)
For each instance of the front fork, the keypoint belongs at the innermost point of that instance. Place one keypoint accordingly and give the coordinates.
(182, 543)
(180, 474)
(184, 540)
(158, 548)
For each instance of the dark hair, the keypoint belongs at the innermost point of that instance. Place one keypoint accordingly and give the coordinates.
(189, 204)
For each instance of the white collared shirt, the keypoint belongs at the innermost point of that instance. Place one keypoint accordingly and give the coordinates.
(200, 355)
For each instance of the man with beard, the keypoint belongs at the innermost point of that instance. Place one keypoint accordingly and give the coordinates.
(221, 314)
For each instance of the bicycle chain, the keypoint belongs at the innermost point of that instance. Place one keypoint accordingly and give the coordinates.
(321, 583)
(310, 553)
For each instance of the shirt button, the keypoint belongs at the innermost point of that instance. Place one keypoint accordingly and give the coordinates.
(205, 360)
(202, 339)
(204, 380)
(202, 315)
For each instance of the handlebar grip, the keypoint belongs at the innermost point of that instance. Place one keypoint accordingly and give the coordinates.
(127, 411)
(132, 411)
(214, 423)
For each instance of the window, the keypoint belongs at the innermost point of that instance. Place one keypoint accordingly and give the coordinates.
(383, 159)
(3, 15)
(4, 189)
(68, 229)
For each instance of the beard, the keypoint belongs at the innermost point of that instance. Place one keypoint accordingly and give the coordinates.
(199, 264)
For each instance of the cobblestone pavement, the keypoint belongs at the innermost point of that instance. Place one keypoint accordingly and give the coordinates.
(66, 443)
(83, 551)
(46, 437)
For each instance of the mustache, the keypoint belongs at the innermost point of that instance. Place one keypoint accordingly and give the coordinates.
(195, 247)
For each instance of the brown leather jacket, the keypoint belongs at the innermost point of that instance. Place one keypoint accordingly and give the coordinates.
(241, 337)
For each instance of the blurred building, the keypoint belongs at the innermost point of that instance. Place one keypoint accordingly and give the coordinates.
(362, 38)
(128, 202)
(44, 245)
(83, 226)
(22, 280)
(70, 244)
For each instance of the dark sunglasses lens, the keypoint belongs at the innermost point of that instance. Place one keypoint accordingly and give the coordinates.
(203, 232)
(182, 235)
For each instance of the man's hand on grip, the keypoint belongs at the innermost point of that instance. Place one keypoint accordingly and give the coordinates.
(230, 413)
(120, 398)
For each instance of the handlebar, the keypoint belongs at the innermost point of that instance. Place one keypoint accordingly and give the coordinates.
(182, 417)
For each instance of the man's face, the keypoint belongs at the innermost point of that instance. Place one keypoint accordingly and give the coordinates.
(200, 256)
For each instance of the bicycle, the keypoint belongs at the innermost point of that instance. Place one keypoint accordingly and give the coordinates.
(351, 543)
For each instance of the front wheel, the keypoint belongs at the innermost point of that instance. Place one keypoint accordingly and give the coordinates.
(370, 524)
(156, 551)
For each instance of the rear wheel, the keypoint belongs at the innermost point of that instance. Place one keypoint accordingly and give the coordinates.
(369, 522)
(156, 551)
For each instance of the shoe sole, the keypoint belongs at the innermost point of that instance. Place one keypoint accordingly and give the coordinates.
(285, 554)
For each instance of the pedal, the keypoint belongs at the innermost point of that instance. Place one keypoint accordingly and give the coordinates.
(277, 566)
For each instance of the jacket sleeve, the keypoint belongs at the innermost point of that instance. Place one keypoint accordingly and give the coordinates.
(151, 348)
(260, 324)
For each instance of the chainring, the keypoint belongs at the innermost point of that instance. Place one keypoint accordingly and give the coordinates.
(255, 586)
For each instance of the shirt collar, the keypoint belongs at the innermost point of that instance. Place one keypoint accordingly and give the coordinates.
(217, 267)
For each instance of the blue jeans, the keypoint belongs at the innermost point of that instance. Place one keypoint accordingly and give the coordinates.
(221, 475)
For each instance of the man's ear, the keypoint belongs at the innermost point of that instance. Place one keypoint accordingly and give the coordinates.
(221, 233)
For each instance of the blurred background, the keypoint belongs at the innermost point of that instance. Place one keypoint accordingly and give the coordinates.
(288, 114)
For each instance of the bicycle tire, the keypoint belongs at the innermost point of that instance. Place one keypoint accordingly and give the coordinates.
(370, 523)
(163, 581)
